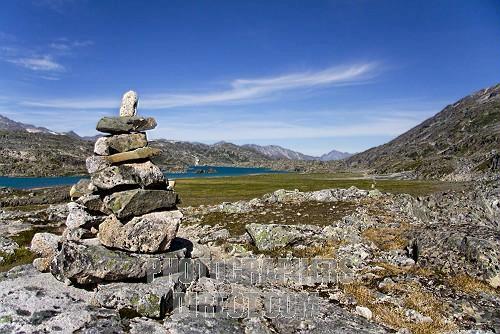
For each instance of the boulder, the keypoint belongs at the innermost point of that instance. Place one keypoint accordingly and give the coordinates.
(149, 233)
(7, 245)
(83, 187)
(32, 302)
(45, 244)
(129, 104)
(120, 143)
(93, 203)
(96, 163)
(76, 234)
(125, 124)
(148, 299)
(89, 262)
(155, 298)
(139, 201)
(135, 174)
(79, 217)
(273, 236)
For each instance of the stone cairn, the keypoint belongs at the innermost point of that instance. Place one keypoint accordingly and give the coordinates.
(121, 224)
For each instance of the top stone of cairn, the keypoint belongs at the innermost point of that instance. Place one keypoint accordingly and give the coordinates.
(128, 121)
(128, 107)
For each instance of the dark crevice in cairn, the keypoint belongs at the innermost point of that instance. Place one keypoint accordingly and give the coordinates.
(121, 225)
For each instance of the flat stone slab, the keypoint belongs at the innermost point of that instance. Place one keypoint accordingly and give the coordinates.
(32, 302)
(147, 299)
(125, 124)
(139, 174)
(149, 233)
(140, 153)
(273, 236)
(88, 262)
(137, 202)
(120, 143)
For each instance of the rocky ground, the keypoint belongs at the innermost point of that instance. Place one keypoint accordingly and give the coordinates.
(414, 265)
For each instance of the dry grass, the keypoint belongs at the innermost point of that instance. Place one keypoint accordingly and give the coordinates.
(471, 285)
(388, 238)
(325, 251)
(393, 316)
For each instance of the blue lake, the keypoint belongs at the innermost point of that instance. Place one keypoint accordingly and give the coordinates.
(192, 172)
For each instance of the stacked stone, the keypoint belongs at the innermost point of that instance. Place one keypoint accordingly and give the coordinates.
(127, 201)
(121, 224)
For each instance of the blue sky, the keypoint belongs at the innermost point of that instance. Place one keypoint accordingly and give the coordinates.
(308, 75)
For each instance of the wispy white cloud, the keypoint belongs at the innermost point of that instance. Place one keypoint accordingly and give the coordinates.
(251, 130)
(239, 91)
(38, 63)
(44, 60)
(66, 45)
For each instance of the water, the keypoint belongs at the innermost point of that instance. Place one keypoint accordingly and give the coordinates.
(39, 182)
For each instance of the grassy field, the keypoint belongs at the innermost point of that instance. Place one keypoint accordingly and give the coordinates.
(225, 189)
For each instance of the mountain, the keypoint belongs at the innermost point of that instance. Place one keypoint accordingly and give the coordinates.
(10, 125)
(278, 152)
(24, 153)
(334, 155)
(175, 153)
(455, 144)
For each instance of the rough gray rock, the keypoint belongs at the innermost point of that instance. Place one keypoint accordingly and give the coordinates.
(79, 217)
(151, 300)
(135, 174)
(7, 245)
(93, 203)
(273, 236)
(96, 163)
(88, 262)
(137, 202)
(116, 125)
(149, 233)
(128, 106)
(45, 245)
(32, 302)
(137, 154)
(119, 143)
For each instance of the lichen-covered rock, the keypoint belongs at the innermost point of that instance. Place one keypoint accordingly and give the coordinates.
(96, 163)
(108, 145)
(125, 124)
(7, 245)
(128, 106)
(45, 245)
(93, 203)
(32, 302)
(149, 233)
(147, 299)
(89, 262)
(137, 202)
(273, 236)
(135, 174)
(79, 217)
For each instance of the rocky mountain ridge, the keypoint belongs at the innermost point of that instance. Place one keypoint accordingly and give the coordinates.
(455, 144)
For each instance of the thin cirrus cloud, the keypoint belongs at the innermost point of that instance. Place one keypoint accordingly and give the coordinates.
(38, 63)
(240, 90)
(248, 130)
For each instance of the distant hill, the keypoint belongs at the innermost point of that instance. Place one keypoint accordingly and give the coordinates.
(278, 152)
(334, 155)
(10, 125)
(27, 150)
(455, 143)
